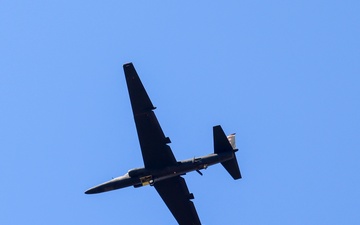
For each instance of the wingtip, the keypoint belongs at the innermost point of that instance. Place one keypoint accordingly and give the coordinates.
(127, 64)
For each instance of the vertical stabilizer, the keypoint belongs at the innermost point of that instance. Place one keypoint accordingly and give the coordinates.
(221, 145)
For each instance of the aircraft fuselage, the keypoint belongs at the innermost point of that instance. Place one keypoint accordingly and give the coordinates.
(142, 176)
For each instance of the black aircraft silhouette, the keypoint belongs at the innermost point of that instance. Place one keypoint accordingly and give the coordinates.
(161, 168)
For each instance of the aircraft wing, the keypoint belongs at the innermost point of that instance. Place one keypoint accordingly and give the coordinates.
(155, 151)
(176, 196)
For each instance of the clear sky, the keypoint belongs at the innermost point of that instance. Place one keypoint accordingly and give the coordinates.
(283, 75)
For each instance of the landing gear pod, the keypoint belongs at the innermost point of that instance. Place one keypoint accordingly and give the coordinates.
(146, 180)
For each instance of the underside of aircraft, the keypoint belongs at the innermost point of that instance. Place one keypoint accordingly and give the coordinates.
(161, 169)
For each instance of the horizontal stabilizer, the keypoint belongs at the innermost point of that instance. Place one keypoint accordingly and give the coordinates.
(221, 142)
(232, 167)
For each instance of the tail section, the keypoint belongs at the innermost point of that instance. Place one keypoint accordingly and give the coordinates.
(231, 139)
(226, 144)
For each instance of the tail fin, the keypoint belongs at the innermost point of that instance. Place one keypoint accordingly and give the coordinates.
(222, 144)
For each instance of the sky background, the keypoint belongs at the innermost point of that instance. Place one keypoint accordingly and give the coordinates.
(283, 75)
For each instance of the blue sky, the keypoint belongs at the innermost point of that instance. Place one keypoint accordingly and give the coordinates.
(283, 75)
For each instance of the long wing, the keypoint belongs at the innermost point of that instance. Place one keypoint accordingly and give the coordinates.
(176, 196)
(155, 151)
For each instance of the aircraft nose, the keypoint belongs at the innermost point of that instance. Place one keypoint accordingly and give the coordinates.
(107, 186)
(93, 190)
(90, 191)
